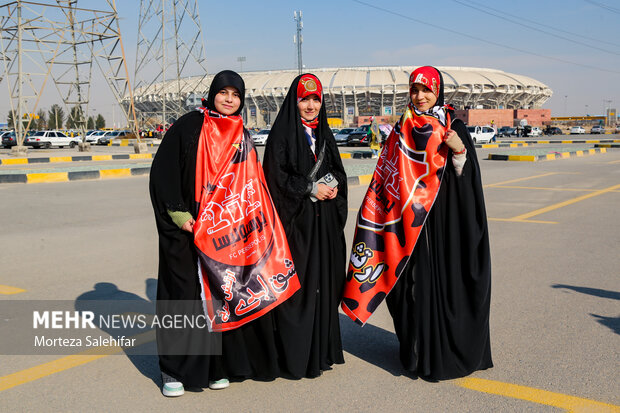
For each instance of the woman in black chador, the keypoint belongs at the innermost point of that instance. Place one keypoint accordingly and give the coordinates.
(250, 350)
(440, 303)
(308, 185)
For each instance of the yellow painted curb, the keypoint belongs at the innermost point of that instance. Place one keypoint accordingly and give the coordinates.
(515, 391)
(140, 156)
(61, 159)
(8, 290)
(114, 173)
(102, 157)
(365, 179)
(522, 158)
(16, 161)
(47, 177)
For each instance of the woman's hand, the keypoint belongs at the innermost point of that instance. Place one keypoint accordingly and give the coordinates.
(453, 141)
(189, 225)
(326, 192)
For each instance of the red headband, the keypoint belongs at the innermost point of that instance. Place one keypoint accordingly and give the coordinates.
(427, 76)
(309, 85)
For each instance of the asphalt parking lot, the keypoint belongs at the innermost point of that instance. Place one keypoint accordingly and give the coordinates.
(555, 320)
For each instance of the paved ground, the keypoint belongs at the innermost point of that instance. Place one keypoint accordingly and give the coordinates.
(555, 319)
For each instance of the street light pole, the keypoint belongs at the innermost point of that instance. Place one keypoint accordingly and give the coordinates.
(241, 59)
(299, 40)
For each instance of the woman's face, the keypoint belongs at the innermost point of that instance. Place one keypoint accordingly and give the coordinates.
(309, 107)
(227, 101)
(422, 97)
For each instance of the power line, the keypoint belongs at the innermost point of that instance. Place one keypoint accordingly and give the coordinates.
(604, 6)
(580, 35)
(557, 59)
(519, 23)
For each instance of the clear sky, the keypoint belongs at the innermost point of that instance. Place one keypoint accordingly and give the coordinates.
(573, 46)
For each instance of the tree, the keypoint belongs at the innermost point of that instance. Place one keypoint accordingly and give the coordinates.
(75, 118)
(99, 122)
(56, 117)
(90, 123)
(40, 123)
(9, 120)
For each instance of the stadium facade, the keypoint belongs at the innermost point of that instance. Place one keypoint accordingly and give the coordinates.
(352, 92)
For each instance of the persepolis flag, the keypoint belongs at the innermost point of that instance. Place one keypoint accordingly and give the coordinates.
(245, 266)
(401, 193)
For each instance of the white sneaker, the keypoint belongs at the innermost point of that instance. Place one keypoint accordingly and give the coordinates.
(173, 389)
(219, 384)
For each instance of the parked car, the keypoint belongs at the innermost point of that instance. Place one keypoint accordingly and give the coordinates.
(342, 137)
(508, 132)
(481, 134)
(553, 131)
(358, 137)
(122, 134)
(261, 137)
(597, 129)
(8, 139)
(49, 138)
(504, 131)
(98, 137)
(335, 131)
(577, 130)
(535, 131)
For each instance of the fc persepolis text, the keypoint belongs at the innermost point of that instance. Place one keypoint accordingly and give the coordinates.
(86, 319)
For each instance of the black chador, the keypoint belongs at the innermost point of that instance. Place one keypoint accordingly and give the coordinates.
(307, 324)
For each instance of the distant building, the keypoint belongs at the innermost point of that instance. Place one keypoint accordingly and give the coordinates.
(354, 93)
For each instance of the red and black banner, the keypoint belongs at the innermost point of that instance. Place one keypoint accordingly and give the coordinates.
(245, 266)
(402, 191)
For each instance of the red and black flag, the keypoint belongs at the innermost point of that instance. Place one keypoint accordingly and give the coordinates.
(245, 266)
(401, 193)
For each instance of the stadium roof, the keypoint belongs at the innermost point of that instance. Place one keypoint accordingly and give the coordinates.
(364, 90)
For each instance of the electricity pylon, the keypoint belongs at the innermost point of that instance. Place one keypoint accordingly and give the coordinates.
(170, 49)
(61, 41)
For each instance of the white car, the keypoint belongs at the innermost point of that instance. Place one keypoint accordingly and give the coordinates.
(97, 137)
(481, 134)
(536, 131)
(577, 130)
(49, 138)
(261, 137)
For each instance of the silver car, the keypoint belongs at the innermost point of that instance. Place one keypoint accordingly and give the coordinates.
(342, 137)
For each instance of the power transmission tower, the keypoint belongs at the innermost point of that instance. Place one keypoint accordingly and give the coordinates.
(299, 39)
(61, 41)
(170, 49)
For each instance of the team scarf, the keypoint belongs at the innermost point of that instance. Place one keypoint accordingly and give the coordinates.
(245, 267)
(401, 194)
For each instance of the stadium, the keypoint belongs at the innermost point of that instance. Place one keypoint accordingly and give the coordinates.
(352, 92)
